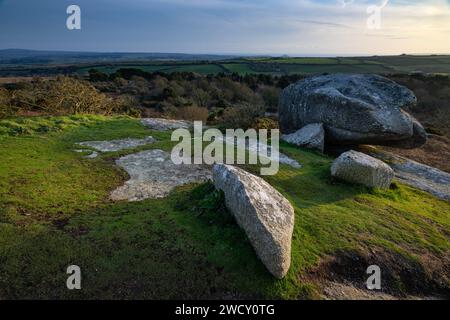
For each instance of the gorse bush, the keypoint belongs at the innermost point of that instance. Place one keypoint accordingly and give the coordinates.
(7, 109)
(265, 123)
(242, 115)
(62, 96)
(65, 96)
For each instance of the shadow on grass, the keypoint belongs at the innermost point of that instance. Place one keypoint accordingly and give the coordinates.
(180, 247)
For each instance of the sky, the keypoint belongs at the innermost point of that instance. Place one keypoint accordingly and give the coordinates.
(292, 27)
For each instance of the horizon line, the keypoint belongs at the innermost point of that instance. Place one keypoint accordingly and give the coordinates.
(292, 55)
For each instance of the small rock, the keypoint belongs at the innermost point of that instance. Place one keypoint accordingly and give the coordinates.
(94, 154)
(357, 167)
(265, 215)
(311, 136)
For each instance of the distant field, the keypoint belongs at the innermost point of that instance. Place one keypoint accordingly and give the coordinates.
(267, 65)
(209, 68)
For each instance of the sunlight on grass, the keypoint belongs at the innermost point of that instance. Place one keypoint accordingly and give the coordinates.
(55, 211)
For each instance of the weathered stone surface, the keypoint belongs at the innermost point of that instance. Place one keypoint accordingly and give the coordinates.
(263, 151)
(117, 145)
(311, 136)
(357, 167)
(154, 175)
(417, 175)
(165, 124)
(354, 109)
(265, 215)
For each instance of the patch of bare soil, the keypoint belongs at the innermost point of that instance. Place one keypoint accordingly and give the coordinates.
(343, 276)
(435, 153)
(340, 291)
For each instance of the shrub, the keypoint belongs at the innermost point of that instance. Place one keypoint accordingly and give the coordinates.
(270, 96)
(126, 105)
(6, 109)
(192, 113)
(265, 123)
(200, 97)
(241, 116)
(64, 96)
(97, 75)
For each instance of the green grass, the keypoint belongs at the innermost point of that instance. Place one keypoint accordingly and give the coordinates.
(54, 212)
(112, 69)
(168, 68)
(240, 68)
(297, 60)
(200, 68)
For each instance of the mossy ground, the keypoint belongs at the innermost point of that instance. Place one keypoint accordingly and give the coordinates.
(55, 212)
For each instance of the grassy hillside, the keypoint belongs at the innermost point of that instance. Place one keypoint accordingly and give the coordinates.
(54, 212)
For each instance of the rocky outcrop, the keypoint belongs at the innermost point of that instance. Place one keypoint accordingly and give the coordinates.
(262, 150)
(117, 145)
(311, 136)
(265, 215)
(154, 175)
(416, 174)
(357, 167)
(354, 109)
(165, 124)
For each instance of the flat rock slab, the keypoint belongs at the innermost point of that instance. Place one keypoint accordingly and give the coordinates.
(117, 145)
(154, 175)
(264, 150)
(417, 175)
(165, 124)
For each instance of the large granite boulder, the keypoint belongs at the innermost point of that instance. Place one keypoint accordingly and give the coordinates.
(311, 136)
(357, 167)
(354, 108)
(265, 215)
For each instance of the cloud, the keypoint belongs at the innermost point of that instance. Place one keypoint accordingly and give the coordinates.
(324, 23)
(231, 26)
